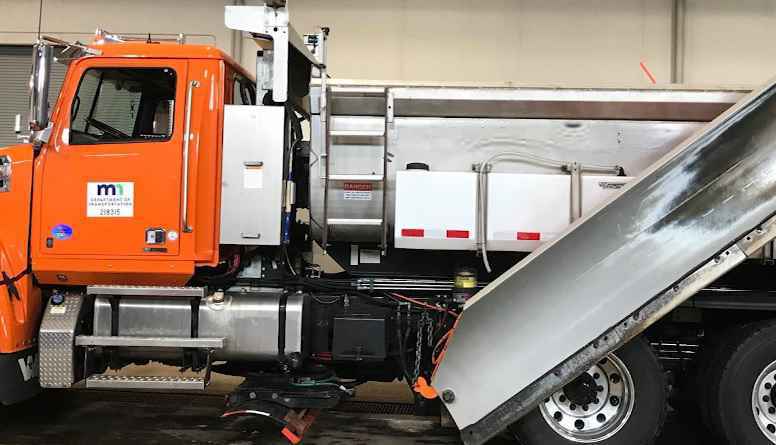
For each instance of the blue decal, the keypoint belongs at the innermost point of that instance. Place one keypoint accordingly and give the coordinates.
(62, 232)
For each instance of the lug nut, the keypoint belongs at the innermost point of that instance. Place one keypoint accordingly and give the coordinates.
(572, 407)
(615, 378)
(448, 396)
(584, 407)
(614, 400)
(579, 424)
(768, 386)
(771, 410)
(601, 418)
(562, 399)
(771, 428)
(597, 401)
(766, 399)
(558, 416)
(596, 376)
(599, 388)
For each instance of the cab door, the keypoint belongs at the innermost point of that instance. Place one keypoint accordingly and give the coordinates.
(112, 182)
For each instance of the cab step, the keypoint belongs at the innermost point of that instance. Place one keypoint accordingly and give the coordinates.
(150, 342)
(146, 382)
(146, 291)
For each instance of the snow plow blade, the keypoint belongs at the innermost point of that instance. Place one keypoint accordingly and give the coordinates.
(694, 215)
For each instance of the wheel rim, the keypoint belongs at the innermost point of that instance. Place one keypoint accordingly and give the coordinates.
(607, 395)
(763, 404)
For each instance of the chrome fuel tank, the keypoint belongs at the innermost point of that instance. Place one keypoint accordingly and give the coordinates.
(248, 318)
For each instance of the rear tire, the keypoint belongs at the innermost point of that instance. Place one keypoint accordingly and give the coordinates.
(632, 383)
(740, 393)
(708, 367)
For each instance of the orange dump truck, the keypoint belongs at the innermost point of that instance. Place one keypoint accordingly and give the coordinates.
(540, 259)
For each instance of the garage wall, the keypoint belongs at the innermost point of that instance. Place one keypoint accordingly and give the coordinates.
(730, 41)
(557, 41)
(549, 41)
(77, 19)
(14, 81)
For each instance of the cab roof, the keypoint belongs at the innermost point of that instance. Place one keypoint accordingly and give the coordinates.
(165, 50)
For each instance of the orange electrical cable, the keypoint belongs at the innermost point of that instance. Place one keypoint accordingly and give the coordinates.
(447, 337)
(426, 305)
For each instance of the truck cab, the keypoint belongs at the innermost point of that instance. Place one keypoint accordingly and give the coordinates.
(128, 187)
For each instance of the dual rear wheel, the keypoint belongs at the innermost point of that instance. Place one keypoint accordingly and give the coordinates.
(620, 400)
(736, 390)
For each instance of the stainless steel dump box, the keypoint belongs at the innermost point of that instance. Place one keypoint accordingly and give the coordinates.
(450, 128)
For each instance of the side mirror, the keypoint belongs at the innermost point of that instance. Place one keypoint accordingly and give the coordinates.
(42, 58)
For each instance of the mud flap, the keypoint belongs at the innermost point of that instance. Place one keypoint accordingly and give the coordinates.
(692, 216)
(18, 376)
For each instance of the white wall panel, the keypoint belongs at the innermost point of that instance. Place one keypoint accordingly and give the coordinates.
(592, 42)
(730, 42)
(78, 19)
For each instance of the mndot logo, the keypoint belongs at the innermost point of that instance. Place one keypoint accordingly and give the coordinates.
(111, 189)
(110, 199)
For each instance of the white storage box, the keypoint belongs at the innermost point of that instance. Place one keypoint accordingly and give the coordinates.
(438, 210)
(435, 210)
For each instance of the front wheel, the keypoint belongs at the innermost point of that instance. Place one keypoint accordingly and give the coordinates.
(620, 400)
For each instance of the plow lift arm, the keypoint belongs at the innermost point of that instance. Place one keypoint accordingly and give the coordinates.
(691, 217)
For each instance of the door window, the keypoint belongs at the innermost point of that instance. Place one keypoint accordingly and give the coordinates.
(123, 105)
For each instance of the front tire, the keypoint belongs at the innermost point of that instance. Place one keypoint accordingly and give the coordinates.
(619, 401)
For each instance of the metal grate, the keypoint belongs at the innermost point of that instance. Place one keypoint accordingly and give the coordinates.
(391, 408)
(146, 382)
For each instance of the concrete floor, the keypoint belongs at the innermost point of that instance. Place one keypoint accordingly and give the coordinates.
(132, 418)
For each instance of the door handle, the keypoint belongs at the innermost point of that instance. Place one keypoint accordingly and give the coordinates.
(186, 141)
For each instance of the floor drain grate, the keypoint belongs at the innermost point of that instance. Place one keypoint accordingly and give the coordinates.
(377, 408)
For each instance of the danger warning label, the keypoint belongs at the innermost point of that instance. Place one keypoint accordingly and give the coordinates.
(357, 191)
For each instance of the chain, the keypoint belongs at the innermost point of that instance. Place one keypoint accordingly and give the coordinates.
(424, 324)
(418, 347)
(429, 330)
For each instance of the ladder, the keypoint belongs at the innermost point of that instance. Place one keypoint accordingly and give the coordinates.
(363, 136)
